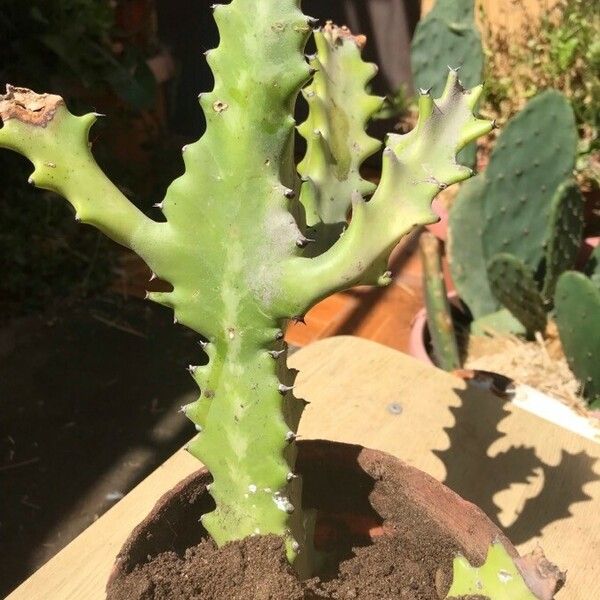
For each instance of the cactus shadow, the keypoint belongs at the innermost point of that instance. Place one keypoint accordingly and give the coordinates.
(339, 495)
(478, 476)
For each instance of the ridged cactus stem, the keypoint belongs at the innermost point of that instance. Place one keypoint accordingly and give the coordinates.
(232, 249)
(228, 229)
(439, 317)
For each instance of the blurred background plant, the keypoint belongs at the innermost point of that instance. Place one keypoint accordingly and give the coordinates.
(94, 54)
(561, 50)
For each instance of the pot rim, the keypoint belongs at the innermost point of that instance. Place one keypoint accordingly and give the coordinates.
(461, 520)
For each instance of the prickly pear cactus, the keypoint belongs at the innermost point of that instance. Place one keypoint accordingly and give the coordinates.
(577, 314)
(465, 249)
(439, 317)
(564, 233)
(533, 156)
(233, 252)
(447, 35)
(337, 145)
(515, 287)
(524, 207)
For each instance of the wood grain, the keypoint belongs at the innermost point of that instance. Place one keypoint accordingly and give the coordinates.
(539, 480)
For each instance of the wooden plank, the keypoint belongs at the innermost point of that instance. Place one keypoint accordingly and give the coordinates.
(541, 481)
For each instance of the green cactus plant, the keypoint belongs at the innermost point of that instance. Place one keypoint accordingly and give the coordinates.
(531, 237)
(498, 578)
(337, 144)
(448, 35)
(515, 287)
(577, 315)
(563, 236)
(526, 206)
(439, 317)
(533, 156)
(233, 251)
(466, 260)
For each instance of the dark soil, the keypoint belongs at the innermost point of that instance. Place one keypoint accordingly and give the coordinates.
(377, 544)
(389, 569)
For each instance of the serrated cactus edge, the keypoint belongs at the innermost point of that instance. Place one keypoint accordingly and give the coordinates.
(234, 253)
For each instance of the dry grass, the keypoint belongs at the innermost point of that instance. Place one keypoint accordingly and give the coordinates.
(540, 364)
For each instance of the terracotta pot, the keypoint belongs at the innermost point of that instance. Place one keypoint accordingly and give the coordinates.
(342, 482)
(419, 339)
(587, 247)
(439, 229)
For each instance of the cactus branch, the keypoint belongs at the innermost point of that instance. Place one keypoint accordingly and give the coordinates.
(337, 145)
(416, 166)
(40, 127)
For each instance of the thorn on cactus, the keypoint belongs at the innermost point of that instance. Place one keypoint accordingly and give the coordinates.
(303, 242)
(284, 389)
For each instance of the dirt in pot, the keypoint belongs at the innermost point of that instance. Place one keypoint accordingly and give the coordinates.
(397, 566)
(386, 532)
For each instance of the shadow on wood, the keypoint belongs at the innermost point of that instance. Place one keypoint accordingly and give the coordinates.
(478, 471)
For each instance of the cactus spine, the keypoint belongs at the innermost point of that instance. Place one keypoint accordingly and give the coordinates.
(233, 251)
(439, 318)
